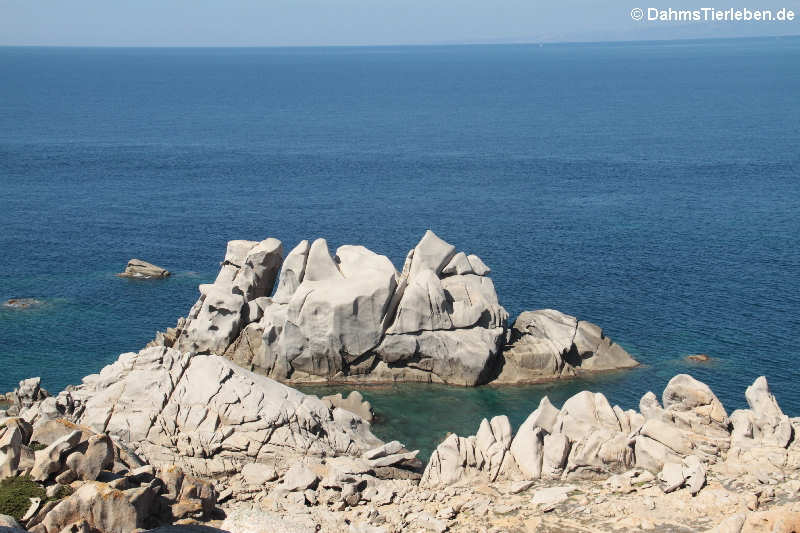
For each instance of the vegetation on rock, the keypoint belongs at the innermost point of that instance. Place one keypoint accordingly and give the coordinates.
(15, 494)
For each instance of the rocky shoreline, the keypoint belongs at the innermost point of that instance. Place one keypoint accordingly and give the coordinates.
(184, 436)
(160, 439)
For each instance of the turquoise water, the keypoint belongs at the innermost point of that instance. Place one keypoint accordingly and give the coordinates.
(651, 188)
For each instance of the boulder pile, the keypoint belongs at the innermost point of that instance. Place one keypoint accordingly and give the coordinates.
(589, 439)
(351, 317)
(161, 437)
(94, 484)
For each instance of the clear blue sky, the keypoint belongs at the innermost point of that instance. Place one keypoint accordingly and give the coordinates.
(355, 22)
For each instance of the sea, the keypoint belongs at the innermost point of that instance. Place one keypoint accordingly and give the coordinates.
(650, 187)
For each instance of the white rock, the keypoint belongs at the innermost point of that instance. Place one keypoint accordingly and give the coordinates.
(292, 272)
(695, 473)
(299, 478)
(459, 264)
(551, 495)
(478, 266)
(671, 476)
(320, 266)
(423, 306)
(207, 415)
(432, 253)
(527, 448)
(257, 474)
(556, 449)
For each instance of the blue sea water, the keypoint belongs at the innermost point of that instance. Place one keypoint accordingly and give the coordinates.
(652, 188)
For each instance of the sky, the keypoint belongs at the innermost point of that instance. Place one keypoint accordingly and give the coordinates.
(359, 22)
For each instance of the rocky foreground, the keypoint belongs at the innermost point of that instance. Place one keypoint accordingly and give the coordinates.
(162, 439)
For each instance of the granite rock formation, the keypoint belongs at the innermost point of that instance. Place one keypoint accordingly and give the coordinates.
(548, 344)
(589, 439)
(679, 463)
(351, 317)
(207, 415)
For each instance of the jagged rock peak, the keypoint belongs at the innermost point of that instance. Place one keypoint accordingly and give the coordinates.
(588, 438)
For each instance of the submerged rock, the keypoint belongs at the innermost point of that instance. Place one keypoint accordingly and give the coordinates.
(21, 303)
(138, 269)
(355, 403)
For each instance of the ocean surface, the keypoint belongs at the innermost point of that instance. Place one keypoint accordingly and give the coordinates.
(651, 188)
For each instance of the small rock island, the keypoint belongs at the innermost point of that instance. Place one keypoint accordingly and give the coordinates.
(138, 269)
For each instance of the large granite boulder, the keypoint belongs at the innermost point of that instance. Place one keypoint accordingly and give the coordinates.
(763, 433)
(692, 421)
(225, 306)
(207, 415)
(547, 344)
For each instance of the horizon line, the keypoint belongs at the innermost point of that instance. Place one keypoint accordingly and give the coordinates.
(408, 45)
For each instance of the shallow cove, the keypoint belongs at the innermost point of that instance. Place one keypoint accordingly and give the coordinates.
(421, 415)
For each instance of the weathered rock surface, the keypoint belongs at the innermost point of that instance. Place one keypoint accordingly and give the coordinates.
(589, 439)
(138, 269)
(350, 316)
(540, 478)
(548, 344)
(207, 415)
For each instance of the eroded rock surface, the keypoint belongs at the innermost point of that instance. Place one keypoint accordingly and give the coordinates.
(207, 415)
(548, 344)
(681, 464)
(351, 317)
(589, 439)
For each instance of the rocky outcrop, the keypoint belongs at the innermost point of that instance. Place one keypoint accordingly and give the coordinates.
(207, 415)
(588, 439)
(28, 394)
(679, 463)
(138, 269)
(548, 344)
(235, 299)
(92, 483)
(351, 317)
